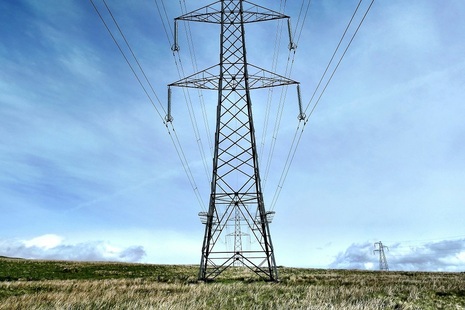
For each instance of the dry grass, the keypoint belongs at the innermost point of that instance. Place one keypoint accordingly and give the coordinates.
(128, 286)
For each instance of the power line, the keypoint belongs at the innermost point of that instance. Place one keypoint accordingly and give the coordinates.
(187, 96)
(290, 61)
(180, 69)
(127, 61)
(280, 110)
(133, 55)
(171, 131)
(292, 151)
(303, 22)
(187, 168)
(340, 59)
(277, 45)
(199, 91)
(168, 37)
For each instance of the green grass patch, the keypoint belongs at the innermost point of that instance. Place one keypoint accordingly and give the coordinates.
(32, 270)
(31, 284)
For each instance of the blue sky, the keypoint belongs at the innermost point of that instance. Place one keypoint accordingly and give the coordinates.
(88, 170)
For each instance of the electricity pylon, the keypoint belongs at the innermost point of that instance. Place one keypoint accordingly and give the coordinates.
(236, 199)
(383, 265)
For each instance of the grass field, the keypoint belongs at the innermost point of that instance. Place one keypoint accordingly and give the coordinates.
(28, 284)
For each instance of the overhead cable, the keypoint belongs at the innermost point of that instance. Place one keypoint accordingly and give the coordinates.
(171, 131)
(127, 61)
(292, 151)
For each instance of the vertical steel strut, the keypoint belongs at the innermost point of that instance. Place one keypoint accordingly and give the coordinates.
(236, 199)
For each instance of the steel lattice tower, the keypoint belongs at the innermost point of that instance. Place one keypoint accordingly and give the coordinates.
(236, 199)
(383, 265)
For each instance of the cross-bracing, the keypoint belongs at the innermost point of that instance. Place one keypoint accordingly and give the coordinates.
(236, 199)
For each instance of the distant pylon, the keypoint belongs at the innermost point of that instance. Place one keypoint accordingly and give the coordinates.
(236, 199)
(383, 265)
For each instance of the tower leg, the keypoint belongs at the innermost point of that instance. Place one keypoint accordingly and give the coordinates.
(236, 209)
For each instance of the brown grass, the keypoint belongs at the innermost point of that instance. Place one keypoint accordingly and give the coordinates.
(298, 289)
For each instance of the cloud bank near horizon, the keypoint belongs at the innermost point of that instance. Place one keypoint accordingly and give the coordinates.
(53, 247)
(445, 255)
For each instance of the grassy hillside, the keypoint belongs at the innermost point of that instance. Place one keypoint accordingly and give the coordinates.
(27, 284)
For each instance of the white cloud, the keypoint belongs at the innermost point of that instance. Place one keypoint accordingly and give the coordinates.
(369, 266)
(45, 242)
(356, 256)
(51, 246)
